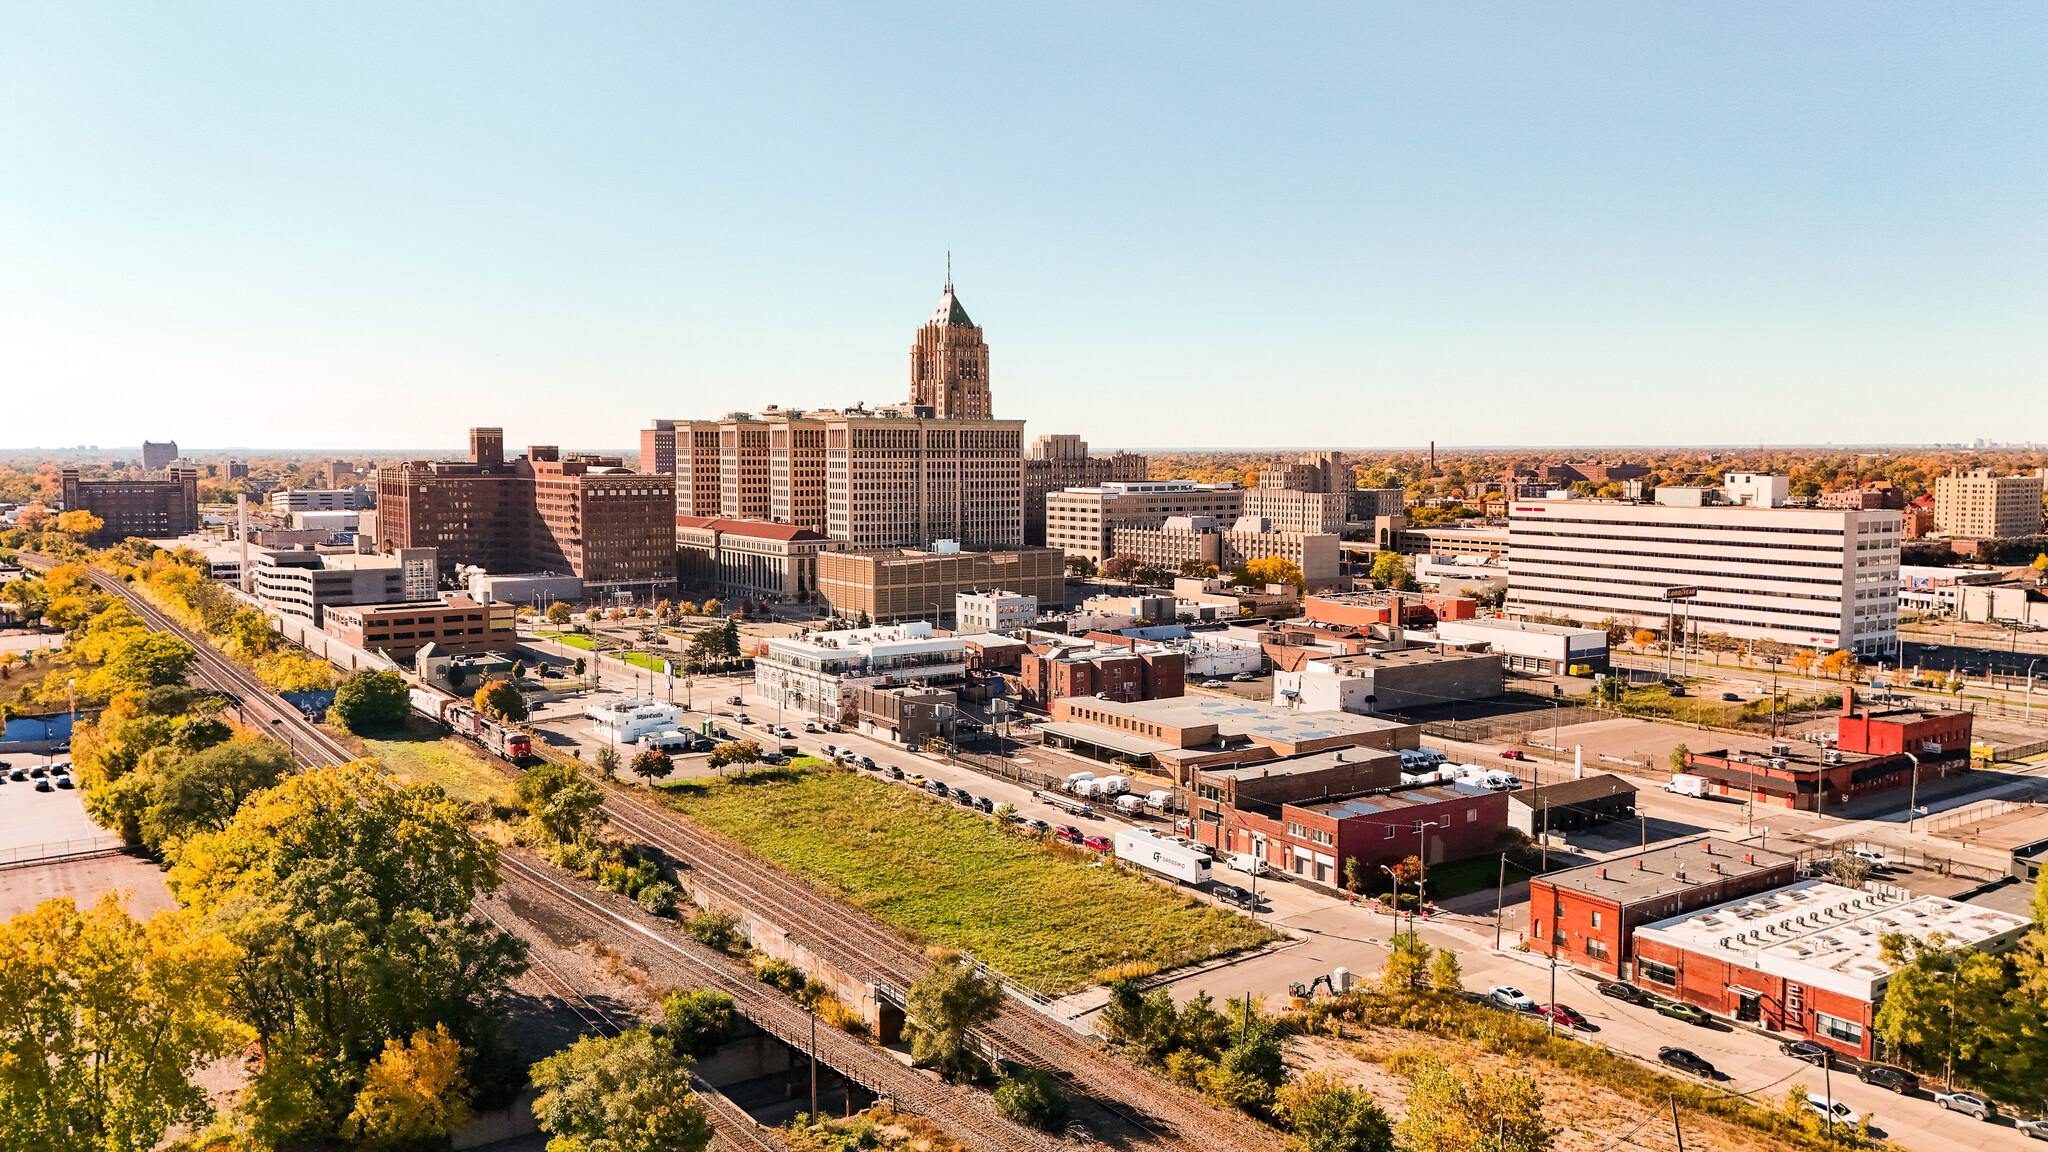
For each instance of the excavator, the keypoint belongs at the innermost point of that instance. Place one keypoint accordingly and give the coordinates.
(1299, 995)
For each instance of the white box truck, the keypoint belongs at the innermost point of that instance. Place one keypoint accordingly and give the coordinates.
(1158, 799)
(1130, 804)
(1112, 785)
(1686, 784)
(1158, 854)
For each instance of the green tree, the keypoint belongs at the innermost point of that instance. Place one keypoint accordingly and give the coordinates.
(349, 901)
(568, 808)
(455, 675)
(655, 763)
(1033, 1097)
(1445, 973)
(1269, 570)
(1390, 571)
(1151, 574)
(1466, 1110)
(558, 613)
(518, 669)
(200, 791)
(696, 1023)
(1678, 758)
(947, 1002)
(1324, 1114)
(1080, 567)
(624, 1093)
(608, 762)
(1407, 960)
(370, 702)
(1123, 569)
(143, 660)
(580, 667)
(501, 701)
(106, 1021)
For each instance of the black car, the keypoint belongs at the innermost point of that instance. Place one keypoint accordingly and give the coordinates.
(1685, 1060)
(775, 758)
(1885, 1076)
(895, 773)
(64, 782)
(1234, 896)
(39, 771)
(18, 774)
(44, 786)
(1626, 992)
(1808, 1051)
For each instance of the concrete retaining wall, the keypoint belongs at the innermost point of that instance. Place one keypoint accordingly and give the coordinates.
(855, 990)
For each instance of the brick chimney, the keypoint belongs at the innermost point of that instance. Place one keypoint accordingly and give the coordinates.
(1848, 700)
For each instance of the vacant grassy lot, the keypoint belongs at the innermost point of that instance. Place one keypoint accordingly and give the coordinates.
(572, 639)
(1017, 905)
(422, 755)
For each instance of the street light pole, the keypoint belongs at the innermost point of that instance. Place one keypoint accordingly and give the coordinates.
(1913, 794)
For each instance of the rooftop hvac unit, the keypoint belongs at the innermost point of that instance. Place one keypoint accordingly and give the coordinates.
(1778, 763)
(1781, 749)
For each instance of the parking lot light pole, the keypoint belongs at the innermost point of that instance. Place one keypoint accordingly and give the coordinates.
(1912, 797)
(1396, 878)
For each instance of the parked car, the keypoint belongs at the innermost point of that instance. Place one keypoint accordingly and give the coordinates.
(2036, 1127)
(734, 701)
(984, 804)
(18, 774)
(1833, 1110)
(915, 779)
(1067, 832)
(1510, 997)
(64, 782)
(742, 719)
(1732, 697)
(1513, 754)
(1626, 992)
(1808, 1051)
(1214, 684)
(1968, 1103)
(895, 773)
(1682, 1011)
(1234, 896)
(1874, 857)
(782, 731)
(1885, 1076)
(1685, 1060)
(39, 772)
(962, 796)
(44, 786)
(1034, 826)
(810, 726)
(1245, 677)
(1563, 1014)
(1099, 843)
(775, 758)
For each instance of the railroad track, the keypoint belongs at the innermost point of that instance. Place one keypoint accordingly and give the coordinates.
(857, 942)
(965, 1115)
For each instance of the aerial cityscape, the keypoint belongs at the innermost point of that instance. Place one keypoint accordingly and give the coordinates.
(498, 652)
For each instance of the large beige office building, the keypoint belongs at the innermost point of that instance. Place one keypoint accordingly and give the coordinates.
(1200, 538)
(1981, 506)
(1810, 578)
(1083, 521)
(1055, 462)
(904, 584)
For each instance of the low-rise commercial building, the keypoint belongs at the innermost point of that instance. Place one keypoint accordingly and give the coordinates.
(1114, 672)
(306, 584)
(1389, 679)
(993, 611)
(1588, 916)
(1807, 959)
(1873, 751)
(750, 558)
(1524, 646)
(818, 673)
(901, 584)
(1201, 539)
(534, 589)
(1569, 804)
(1175, 735)
(457, 624)
(1407, 609)
(319, 499)
(911, 715)
(625, 721)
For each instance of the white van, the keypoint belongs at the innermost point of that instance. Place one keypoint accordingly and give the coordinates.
(1248, 863)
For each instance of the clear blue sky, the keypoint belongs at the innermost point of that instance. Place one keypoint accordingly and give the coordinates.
(363, 225)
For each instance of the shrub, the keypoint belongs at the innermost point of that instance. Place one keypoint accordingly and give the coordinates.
(720, 930)
(780, 975)
(1033, 1097)
(658, 898)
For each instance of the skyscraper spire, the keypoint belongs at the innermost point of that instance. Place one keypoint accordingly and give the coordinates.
(949, 269)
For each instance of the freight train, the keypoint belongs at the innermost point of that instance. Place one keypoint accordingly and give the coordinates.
(496, 738)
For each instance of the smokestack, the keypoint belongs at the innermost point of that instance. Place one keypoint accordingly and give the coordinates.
(1432, 457)
(1578, 761)
(1848, 700)
(242, 530)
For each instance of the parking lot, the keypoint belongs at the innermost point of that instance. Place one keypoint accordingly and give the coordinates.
(30, 819)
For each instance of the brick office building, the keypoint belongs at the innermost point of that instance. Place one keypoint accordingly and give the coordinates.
(457, 624)
(154, 508)
(612, 527)
(1805, 959)
(1177, 735)
(1136, 672)
(1588, 916)
(1875, 751)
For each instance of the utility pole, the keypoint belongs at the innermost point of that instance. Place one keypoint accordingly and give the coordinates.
(1675, 1129)
(1500, 891)
(814, 1068)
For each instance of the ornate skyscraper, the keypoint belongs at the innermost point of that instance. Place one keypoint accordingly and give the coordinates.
(949, 362)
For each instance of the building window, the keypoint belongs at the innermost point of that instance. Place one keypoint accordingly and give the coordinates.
(1657, 973)
(1836, 1028)
(1596, 919)
(1390, 831)
(1557, 937)
(1471, 815)
(1596, 949)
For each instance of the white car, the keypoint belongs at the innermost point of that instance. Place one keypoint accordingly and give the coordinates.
(1833, 1110)
(1213, 684)
(1510, 997)
(810, 726)
(1875, 857)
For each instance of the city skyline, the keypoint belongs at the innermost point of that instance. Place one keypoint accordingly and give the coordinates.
(1599, 225)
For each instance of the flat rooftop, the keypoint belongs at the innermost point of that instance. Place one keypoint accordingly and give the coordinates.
(1400, 657)
(1310, 762)
(1672, 867)
(1374, 803)
(1492, 624)
(1246, 718)
(1830, 936)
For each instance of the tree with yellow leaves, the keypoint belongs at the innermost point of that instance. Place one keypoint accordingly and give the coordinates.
(79, 523)
(107, 1019)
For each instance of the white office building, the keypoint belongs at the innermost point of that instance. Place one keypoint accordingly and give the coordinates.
(818, 673)
(319, 499)
(993, 611)
(1526, 646)
(1824, 578)
(625, 721)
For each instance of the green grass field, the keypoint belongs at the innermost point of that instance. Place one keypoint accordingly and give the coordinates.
(571, 639)
(955, 879)
(421, 755)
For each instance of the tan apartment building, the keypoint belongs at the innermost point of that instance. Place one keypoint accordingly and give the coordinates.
(1185, 538)
(457, 624)
(1292, 510)
(906, 481)
(1083, 521)
(1982, 506)
(796, 470)
(902, 584)
(1057, 462)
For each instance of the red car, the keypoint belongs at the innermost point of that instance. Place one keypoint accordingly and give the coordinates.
(1513, 754)
(734, 700)
(1562, 1014)
(1067, 832)
(1099, 843)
